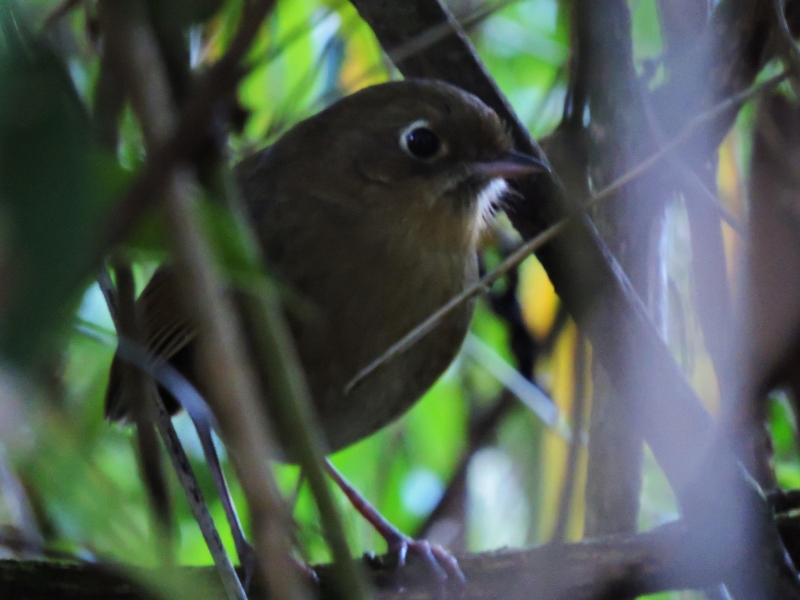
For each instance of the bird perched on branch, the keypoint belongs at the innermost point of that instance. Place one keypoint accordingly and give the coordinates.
(371, 211)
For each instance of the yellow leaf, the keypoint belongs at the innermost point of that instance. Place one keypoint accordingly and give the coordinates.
(537, 298)
(729, 186)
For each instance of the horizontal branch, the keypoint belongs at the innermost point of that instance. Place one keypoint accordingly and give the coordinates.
(659, 560)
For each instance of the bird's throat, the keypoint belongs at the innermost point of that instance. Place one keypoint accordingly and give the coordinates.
(487, 202)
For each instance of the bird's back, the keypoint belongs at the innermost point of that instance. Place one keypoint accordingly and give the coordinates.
(369, 213)
(362, 288)
(358, 292)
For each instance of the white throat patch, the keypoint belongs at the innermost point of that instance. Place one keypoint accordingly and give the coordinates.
(488, 201)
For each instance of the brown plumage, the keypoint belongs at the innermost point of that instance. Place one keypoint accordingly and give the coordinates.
(371, 212)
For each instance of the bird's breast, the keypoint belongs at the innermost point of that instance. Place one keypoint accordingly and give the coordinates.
(367, 293)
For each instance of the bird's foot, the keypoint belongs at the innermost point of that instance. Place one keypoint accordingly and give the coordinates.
(308, 574)
(439, 563)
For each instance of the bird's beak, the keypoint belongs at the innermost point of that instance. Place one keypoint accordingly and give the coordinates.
(512, 165)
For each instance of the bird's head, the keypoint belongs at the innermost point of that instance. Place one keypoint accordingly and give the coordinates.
(419, 152)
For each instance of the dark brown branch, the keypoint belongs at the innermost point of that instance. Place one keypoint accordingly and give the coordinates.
(682, 23)
(618, 136)
(724, 61)
(627, 564)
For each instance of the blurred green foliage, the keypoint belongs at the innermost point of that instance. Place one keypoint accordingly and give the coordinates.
(55, 186)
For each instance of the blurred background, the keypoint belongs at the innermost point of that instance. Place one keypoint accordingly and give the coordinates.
(482, 461)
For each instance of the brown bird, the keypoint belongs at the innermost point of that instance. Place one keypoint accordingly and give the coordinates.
(371, 211)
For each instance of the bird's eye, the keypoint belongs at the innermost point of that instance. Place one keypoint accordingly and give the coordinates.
(419, 141)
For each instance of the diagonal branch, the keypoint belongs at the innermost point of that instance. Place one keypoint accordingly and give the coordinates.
(585, 275)
(603, 51)
(602, 300)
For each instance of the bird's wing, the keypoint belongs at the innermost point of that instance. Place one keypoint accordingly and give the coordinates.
(167, 331)
(167, 327)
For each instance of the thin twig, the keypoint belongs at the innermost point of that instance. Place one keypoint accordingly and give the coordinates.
(151, 469)
(197, 504)
(136, 355)
(179, 144)
(421, 330)
(232, 385)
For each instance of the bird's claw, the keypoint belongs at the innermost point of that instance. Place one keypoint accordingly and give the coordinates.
(307, 572)
(442, 565)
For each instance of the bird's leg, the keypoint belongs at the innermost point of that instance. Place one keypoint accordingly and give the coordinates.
(244, 549)
(234, 588)
(443, 565)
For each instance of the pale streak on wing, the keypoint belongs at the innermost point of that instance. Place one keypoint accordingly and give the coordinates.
(167, 327)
